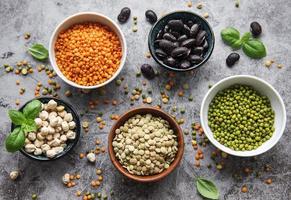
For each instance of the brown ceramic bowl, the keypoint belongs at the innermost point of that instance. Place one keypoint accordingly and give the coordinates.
(155, 112)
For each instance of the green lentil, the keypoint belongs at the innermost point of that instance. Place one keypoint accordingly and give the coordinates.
(241, 118)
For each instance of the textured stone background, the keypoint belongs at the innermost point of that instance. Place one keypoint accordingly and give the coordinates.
(40, 17)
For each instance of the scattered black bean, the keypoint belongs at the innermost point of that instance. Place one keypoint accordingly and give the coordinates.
(124, 15)
(151, 16)
(148, 71)
(256, 29)
(232, 59)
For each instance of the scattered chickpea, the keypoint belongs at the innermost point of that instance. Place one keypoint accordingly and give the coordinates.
(268, 181)
(98, 171)
(78, 193)
(189, 4)
(244, 189)
(199, 5)
(205, 15)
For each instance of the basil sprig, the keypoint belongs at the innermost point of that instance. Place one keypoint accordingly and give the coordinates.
(207, 188)
(39, 52)
(253, 48)
(25, 124)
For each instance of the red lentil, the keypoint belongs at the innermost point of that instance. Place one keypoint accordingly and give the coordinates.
(88, 54)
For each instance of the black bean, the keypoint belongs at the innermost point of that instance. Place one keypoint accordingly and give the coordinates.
(182, 38)
(169, 36)
(256, 29)
(170, 61)
(200, 37)
(188, 43)
(151, 16)
(166, 29)
(186, 30)
(232, 59)
(190, 23)
(176, 34)
(195, 59)
(148, 71)
(194, 30)
(198, 50)
(124, 15)
(180, 52)
(176, 25)
(160, 34)
(185, 64)
(160, 53)
(205, 44)
(167, 45)
(157, 43)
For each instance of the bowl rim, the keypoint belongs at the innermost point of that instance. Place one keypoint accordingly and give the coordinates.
(177, 69)
(121, 38)
(66, 150)
(242, 153)
(144, 110)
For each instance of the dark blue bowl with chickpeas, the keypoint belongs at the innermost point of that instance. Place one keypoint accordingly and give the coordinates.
(73, 128)
(181, 41)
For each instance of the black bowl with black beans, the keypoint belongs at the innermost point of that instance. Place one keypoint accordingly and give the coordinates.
(181, 41)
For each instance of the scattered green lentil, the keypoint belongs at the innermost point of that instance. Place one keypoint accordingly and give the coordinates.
(33, 196)
(118, 82)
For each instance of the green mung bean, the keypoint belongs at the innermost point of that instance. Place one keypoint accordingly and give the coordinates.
(241, 118)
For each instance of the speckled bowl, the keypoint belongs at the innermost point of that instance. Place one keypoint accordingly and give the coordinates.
(158, 113)
(70, 143)
(185, 16)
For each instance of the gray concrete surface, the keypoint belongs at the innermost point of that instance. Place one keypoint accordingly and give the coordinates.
(40, 17)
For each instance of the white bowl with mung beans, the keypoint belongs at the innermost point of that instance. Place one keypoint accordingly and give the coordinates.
(79, 74)
(228, 142)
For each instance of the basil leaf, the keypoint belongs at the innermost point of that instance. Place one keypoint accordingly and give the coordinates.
(16, 117)
(254, 48)
(15, 140)
(207, 188)
(32, 109)
(38, 51)
(246, 37)
(29, 126)
(231, 36)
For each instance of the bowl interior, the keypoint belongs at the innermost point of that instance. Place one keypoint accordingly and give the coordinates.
(264, 89)
(70, 143)
(185, 16)
(83, 18)
(154, 112)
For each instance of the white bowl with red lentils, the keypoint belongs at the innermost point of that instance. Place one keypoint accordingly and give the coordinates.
(87, 50)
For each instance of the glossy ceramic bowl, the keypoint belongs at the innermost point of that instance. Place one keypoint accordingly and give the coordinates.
(70, 143)
(82, 18)
(263, 88)
(155, 112)
(185, 16)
